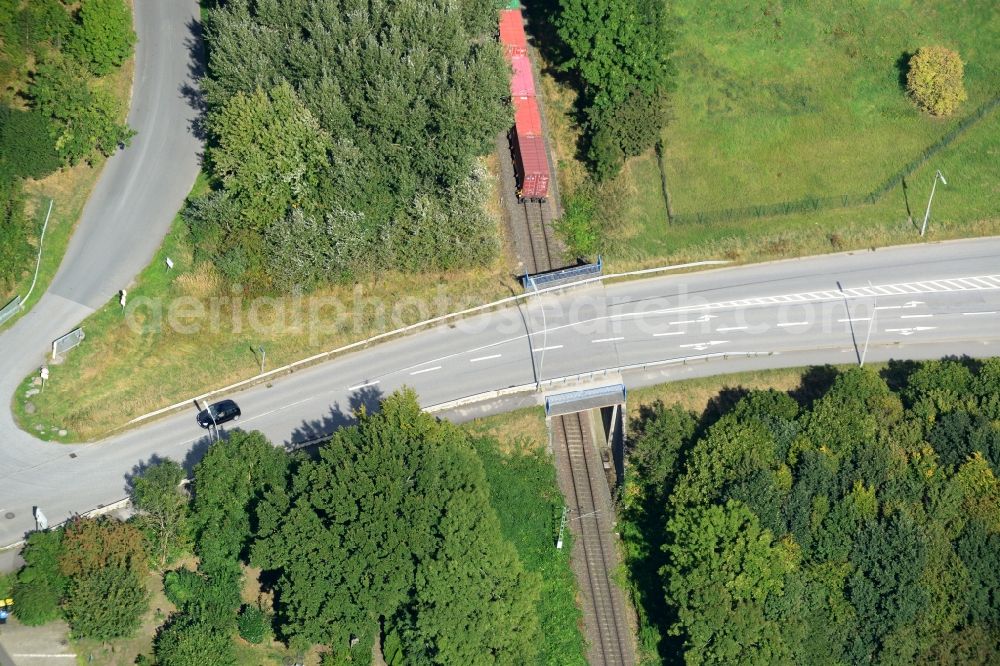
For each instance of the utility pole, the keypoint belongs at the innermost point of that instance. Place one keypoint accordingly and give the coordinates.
(562, 527)
(871, 324)
(937, 176)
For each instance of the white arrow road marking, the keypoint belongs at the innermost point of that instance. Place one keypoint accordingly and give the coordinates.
(484, 358)
(704, 345)
(541, 349)
(621, 337)
(420, 372)
(355, 388)
(910, 331)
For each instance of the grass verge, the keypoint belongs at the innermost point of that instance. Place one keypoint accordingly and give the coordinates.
(186, 332)
(526, 497)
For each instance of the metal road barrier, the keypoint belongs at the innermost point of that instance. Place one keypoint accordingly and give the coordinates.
(10, 309)
(562, 276)
(591, 398)
(67, 342)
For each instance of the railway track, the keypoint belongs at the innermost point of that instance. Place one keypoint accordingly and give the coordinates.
(604, 611)
(535, 218)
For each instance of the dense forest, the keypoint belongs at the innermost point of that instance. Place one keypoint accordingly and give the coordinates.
(387, 531)
(51, 112)
(344, 136)
(855, 521)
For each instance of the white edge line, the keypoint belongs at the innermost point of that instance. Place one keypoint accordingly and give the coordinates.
(985, 312)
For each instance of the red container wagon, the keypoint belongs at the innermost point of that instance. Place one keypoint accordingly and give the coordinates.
(531, 166)
(512, 33)
(522, 82)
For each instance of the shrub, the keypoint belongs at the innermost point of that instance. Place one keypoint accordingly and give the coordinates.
(934, 80)
(254, 624)
(26, 144)
(106, 604)
(103, 37)
(182, 586)
(577, 226)
(36, 602)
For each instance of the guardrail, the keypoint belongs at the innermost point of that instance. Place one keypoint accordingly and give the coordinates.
(10, 309)
(563, 276)
(316, 358)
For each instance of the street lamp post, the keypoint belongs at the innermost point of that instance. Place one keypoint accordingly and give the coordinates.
(937, 176)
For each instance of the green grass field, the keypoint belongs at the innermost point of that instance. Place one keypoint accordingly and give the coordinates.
(779, 102)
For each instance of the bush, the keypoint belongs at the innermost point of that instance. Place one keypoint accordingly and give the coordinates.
(183, 586)
(103, 37)
(26, 144)
(934, 80)
(36, 602)
(577, 226)
(254, 624)
(106, 604)
(188, 639)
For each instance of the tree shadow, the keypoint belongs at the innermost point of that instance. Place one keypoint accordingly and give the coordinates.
(906, 201)
(903, 68)
(139, 469)
(896, 373)
(719, 405)
(365, 400)
(816, 381)
(191, 89)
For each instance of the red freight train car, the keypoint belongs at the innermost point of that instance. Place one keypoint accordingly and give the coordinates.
(531, 167)
(522, 83)
(512, 33)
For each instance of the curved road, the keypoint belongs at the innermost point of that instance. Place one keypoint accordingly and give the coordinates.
(919, 301)
(130, 210)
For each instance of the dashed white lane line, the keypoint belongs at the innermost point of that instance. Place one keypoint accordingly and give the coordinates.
(620, 337)
(793, 323)
(541, 349)
(910, 331)
(704, 345)
(660, 335)
(723, 329)
(420, 372)
(699, 320)
(484, 358)
(355, 388)
(852, 319)
(916, 316)
(984, 312)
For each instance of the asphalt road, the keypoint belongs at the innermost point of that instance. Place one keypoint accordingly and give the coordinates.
(920, 301)
(139, 192)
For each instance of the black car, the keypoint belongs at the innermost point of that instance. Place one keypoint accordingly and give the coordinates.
(221, 412)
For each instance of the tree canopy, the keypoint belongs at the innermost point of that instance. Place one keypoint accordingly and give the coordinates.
(861, 527)
(393, 523)
(619, 51)
(347, 136)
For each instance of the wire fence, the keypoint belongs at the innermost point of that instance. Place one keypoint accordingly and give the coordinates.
(812, 204)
